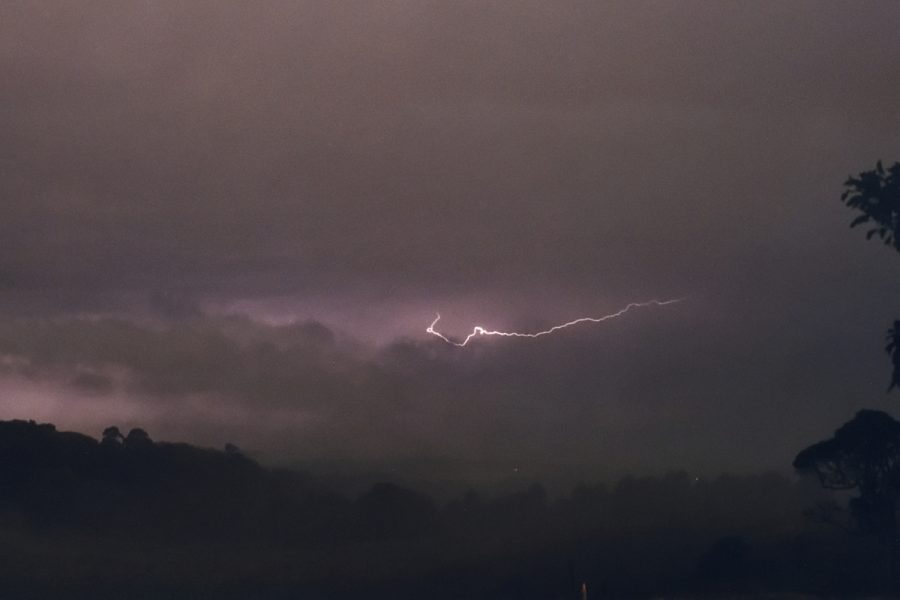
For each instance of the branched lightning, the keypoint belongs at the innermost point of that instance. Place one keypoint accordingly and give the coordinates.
(478, 330)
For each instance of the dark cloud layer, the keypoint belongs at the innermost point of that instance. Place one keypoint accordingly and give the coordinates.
(644, 391)
(364, 165)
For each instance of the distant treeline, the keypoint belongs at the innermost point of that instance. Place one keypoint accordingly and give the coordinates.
(102, 513)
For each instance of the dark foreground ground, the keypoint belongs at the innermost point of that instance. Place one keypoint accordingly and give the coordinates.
(130, 518)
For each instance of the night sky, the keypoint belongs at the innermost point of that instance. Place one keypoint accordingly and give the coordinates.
(232, 222)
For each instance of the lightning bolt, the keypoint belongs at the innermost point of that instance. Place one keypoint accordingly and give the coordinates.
(478, 330)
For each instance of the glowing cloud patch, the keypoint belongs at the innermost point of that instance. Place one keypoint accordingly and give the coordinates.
(478, 330)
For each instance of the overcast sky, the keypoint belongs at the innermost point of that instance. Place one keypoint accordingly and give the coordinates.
(234, 221)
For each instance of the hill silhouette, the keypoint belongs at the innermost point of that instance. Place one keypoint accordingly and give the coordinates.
(85, 518)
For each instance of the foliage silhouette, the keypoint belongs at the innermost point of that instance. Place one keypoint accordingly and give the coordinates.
(863, 456)
(112, 435)
(138, 438)
(876, 194)
(893, 349)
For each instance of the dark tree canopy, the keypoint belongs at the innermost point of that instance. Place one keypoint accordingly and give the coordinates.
(876, 194)
(863, 455)
(138, 438)
(112, 436)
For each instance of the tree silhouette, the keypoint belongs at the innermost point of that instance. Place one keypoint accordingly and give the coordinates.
(137, 438)
(863, 456)
(876, 194)
(112, 436)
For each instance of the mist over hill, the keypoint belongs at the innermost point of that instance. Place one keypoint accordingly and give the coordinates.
(83, 518)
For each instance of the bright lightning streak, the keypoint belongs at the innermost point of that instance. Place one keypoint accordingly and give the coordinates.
(478, 330)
